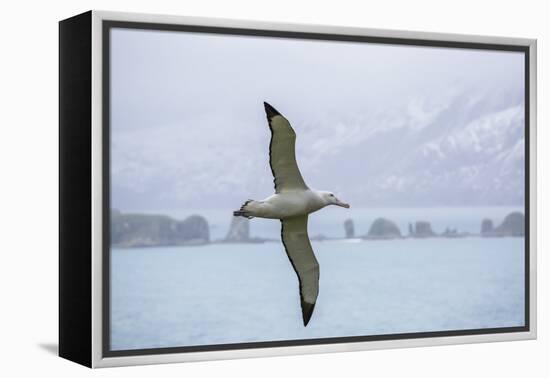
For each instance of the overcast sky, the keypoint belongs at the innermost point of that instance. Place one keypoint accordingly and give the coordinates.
(189, 130)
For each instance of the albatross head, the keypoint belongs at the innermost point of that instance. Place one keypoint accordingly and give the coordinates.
(330, 199)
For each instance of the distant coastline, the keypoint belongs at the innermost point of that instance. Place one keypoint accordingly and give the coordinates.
(136, 230)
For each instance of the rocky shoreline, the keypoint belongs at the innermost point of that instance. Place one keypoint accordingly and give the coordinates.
(513, 225)
(145, 230)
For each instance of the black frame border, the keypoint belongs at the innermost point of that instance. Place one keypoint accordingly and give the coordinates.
(108, 25)
(75, 189)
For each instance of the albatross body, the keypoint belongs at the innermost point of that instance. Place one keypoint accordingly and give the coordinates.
(292, 202)
(286, 204)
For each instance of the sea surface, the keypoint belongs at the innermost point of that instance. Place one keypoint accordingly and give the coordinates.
(234, 293)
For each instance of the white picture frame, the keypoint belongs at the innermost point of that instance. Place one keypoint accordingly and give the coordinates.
(82, 246)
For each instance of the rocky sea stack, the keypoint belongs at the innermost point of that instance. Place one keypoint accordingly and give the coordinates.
(349, 227)
(512, 225)
(423, 229)
(239, 231)
(487, 226)
(383, 228)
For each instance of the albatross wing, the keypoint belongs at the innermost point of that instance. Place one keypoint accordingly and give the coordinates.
(298, 248)
(282, 156)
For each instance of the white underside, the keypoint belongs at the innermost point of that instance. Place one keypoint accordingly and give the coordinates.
(286, 204)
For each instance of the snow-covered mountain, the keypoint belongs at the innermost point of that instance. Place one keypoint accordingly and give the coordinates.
(456, 151)
(457, 156)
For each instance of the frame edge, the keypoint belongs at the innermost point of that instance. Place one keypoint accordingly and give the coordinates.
(75, 331)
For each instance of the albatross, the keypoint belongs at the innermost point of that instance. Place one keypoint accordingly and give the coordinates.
(292, 202)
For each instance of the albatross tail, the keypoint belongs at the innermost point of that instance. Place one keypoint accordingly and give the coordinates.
(246, 210)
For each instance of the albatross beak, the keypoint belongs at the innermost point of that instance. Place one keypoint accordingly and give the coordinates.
(342, 204)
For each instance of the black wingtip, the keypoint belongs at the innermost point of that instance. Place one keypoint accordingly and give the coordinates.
(270, 110)
(307, 311)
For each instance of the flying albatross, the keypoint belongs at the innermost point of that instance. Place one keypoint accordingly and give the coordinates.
(292, 202)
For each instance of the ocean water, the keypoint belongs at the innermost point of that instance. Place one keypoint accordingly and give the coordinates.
(233, 293)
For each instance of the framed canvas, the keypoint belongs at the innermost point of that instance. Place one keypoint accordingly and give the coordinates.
(237, 189)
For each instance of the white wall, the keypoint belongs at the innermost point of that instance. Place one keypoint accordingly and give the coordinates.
(28, 201)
